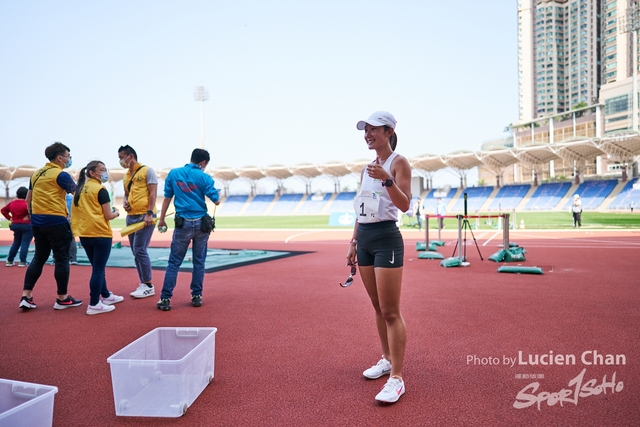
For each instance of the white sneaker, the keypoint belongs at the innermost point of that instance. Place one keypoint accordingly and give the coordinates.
(143, 291)
(383, 367)
(392, 390)
(99, 308)
(112, 299)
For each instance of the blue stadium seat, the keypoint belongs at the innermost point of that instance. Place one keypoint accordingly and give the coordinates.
(628, 197)
(233, 204)
(592, 193)
(259, 204)
(547, 196)
(314, 204)
(431, 201)
(343, 202)
(509, 197)
(286, 204)
(476, 196)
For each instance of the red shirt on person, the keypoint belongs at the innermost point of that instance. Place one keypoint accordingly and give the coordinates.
(16, 212)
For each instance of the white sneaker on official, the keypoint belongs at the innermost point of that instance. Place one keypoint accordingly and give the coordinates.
(383, 367)
(143, 291)
(112, 299)
(99, 308)
(392, 390)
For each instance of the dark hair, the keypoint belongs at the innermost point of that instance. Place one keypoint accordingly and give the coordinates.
(200, 155)
(21, 193)
(393, 139)
(84, 174)
(54, 150)
(128, 150)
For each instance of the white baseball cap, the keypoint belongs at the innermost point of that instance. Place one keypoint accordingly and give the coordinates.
(575, 196)
(379, 118)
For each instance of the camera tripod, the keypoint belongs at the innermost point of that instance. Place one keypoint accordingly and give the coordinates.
(465, 226)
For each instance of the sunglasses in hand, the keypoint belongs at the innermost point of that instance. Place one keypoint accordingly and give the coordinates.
(349, 280)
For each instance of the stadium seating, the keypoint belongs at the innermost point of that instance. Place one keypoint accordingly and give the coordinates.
(592, 193)
(232, 204)
(259, 204)
(476, 196)
(286, 204)
(431, 201)
(343, 202)
(628, 197)
(314, 204)
(547, 196)
(509, 197)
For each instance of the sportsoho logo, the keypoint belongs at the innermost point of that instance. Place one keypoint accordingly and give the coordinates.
(577, 387)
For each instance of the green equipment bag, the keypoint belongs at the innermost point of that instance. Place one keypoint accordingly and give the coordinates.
(513, 255)
(451, 262)
(519, 269)
(498, 256)
(430, 255)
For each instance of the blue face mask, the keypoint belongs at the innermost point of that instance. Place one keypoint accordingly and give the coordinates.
(104, 176)
(68, 164)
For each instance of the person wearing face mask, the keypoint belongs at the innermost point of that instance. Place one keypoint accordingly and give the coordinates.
(50, 224)
(91, 213)
(189, 185)
(140, 191)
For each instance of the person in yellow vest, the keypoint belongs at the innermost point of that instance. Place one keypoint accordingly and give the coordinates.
(91, 212)
(140, 191)
(49, 221)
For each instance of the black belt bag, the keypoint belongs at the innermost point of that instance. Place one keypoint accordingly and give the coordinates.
(207, 224)
(178, 221)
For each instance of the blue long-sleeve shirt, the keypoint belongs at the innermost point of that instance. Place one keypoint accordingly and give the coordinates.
(189, 185)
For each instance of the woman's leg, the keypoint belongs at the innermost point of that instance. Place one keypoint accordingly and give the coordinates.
(369, 279)
(94, 285)
(389, 286)
(101, 257)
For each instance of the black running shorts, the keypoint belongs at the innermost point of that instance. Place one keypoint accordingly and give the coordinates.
(380, 244)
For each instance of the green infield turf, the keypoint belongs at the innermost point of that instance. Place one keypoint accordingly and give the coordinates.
(532, 220)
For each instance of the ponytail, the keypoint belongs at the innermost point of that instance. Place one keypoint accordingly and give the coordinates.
(84, 174)
(393, 141)
(81, 180)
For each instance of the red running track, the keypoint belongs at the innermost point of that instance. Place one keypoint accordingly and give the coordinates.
(291, 344)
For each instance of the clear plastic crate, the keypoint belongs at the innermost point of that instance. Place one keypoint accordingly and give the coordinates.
(26, 404)
(161, 373)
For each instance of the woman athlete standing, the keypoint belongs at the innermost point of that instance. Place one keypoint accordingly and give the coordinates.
(385, 187)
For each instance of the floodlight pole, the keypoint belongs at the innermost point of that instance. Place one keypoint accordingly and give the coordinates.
(201, 94)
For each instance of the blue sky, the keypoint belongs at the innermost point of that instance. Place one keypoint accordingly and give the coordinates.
(287, 80)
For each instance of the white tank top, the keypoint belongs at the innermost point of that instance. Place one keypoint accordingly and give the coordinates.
(372, 203)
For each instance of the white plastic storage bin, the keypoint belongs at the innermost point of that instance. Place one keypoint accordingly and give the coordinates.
(161, 373)
(26, 404)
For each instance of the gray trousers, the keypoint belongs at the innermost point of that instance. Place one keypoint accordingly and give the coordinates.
(139, 242)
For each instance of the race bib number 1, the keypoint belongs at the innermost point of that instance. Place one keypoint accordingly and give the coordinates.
(366, 206)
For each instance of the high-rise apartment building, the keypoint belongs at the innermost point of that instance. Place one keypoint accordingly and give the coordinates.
(559, 55)
(575, 82)
(617, 53)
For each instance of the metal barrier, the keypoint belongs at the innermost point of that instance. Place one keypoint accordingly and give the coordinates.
(461, 218)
